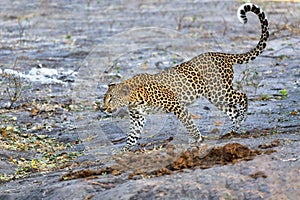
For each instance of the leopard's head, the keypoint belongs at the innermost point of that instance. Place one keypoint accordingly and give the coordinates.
(117, 96)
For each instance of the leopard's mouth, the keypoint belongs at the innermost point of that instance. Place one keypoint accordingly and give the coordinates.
(106, 109)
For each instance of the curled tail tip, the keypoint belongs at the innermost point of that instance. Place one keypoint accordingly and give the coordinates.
(243, 9)
(241, 14)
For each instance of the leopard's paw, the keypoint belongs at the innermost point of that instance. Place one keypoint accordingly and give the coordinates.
(125, 148)
(196, 140)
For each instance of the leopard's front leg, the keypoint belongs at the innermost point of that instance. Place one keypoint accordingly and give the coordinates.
(137, 120)
(167, 99)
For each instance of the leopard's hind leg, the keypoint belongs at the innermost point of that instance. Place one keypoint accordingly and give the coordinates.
(233, 103)
(186, 119)
(235, 106)
(237, 101)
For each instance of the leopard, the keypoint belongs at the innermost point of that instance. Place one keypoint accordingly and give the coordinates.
(171, 90)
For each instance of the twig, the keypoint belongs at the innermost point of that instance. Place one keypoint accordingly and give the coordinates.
(14, 89)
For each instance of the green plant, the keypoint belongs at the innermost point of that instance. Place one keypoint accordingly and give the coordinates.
(248, 77)
(265, 97)
(283, 93)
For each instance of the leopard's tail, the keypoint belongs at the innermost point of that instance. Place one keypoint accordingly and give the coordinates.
(241, 14)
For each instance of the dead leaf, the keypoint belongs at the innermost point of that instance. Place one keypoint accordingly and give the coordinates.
(218, 123)
(34, 111)
(12, 160)
(294, 113)
(196, 116)
(4, 134)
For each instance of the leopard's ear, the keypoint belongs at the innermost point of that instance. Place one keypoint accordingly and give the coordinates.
(125, 90)
(111, 84)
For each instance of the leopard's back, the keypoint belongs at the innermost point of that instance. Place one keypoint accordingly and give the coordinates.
(199, 76)
(184, 80)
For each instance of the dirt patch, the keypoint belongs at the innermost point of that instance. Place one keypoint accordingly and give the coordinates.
(272, 144)
(142, 165)
(257, 133)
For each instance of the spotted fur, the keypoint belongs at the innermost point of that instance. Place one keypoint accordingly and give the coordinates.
(209, 74)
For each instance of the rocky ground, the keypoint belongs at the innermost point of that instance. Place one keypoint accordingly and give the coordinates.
(57, 58)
